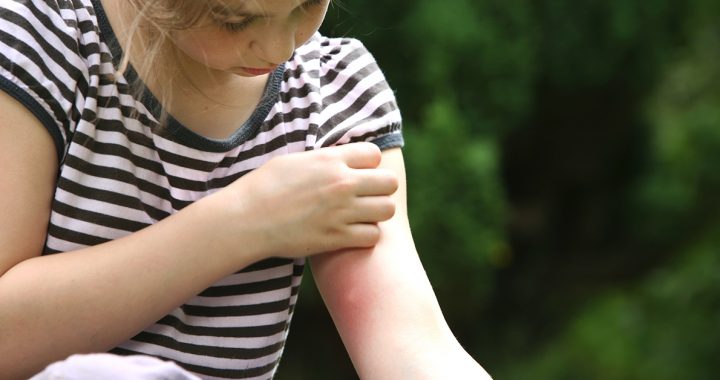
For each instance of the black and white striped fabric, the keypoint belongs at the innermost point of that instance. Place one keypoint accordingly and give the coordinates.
(118, 174)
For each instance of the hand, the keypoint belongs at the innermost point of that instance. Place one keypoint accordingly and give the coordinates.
(317, 201)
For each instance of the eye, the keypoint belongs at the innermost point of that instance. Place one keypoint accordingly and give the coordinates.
(245, 22)
(239, 25)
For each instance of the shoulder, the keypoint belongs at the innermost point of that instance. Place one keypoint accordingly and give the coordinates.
(51, 35)
(46, 37)
(332, 54)
(45, 52)
(329, 47)
(48, 17)
(355, 102)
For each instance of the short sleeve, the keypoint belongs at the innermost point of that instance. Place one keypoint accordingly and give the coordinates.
(357, 102)
(41, 63)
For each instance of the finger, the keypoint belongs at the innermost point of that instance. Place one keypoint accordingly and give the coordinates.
(371, 182)
(360, 155)
(362, 235)
(370, 210)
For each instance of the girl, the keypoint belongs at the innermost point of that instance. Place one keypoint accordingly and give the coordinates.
(162, 182)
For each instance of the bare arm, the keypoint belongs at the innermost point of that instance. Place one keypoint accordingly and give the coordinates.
(94, 298)
(384, 307)
(91, 299)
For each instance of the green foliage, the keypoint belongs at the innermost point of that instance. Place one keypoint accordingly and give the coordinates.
(457, 55)
(683, 179)
(456, 202)
(561, 160)
(585, 42)
(663, 329)
(664, 326)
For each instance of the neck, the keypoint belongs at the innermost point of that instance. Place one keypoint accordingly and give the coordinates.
(209, 102)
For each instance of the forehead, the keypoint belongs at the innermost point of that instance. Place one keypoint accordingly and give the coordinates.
(252, 7)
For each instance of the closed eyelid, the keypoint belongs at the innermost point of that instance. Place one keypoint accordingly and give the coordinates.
(227, 13)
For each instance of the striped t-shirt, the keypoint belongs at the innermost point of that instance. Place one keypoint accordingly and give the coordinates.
(120, 173)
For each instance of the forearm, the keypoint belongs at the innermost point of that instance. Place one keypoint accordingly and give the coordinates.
(93, 299)
(384, 307)
(364, 295)
(389, 319)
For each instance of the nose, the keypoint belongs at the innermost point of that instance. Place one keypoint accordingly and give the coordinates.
(275, 43)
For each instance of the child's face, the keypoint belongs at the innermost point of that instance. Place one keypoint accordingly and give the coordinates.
(251, 37)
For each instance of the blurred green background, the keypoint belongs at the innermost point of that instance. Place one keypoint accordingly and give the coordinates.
(562, 182)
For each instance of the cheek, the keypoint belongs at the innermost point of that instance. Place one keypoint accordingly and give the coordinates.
(309, 27)
(302, 35)
(191, 45)
(207, 48)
